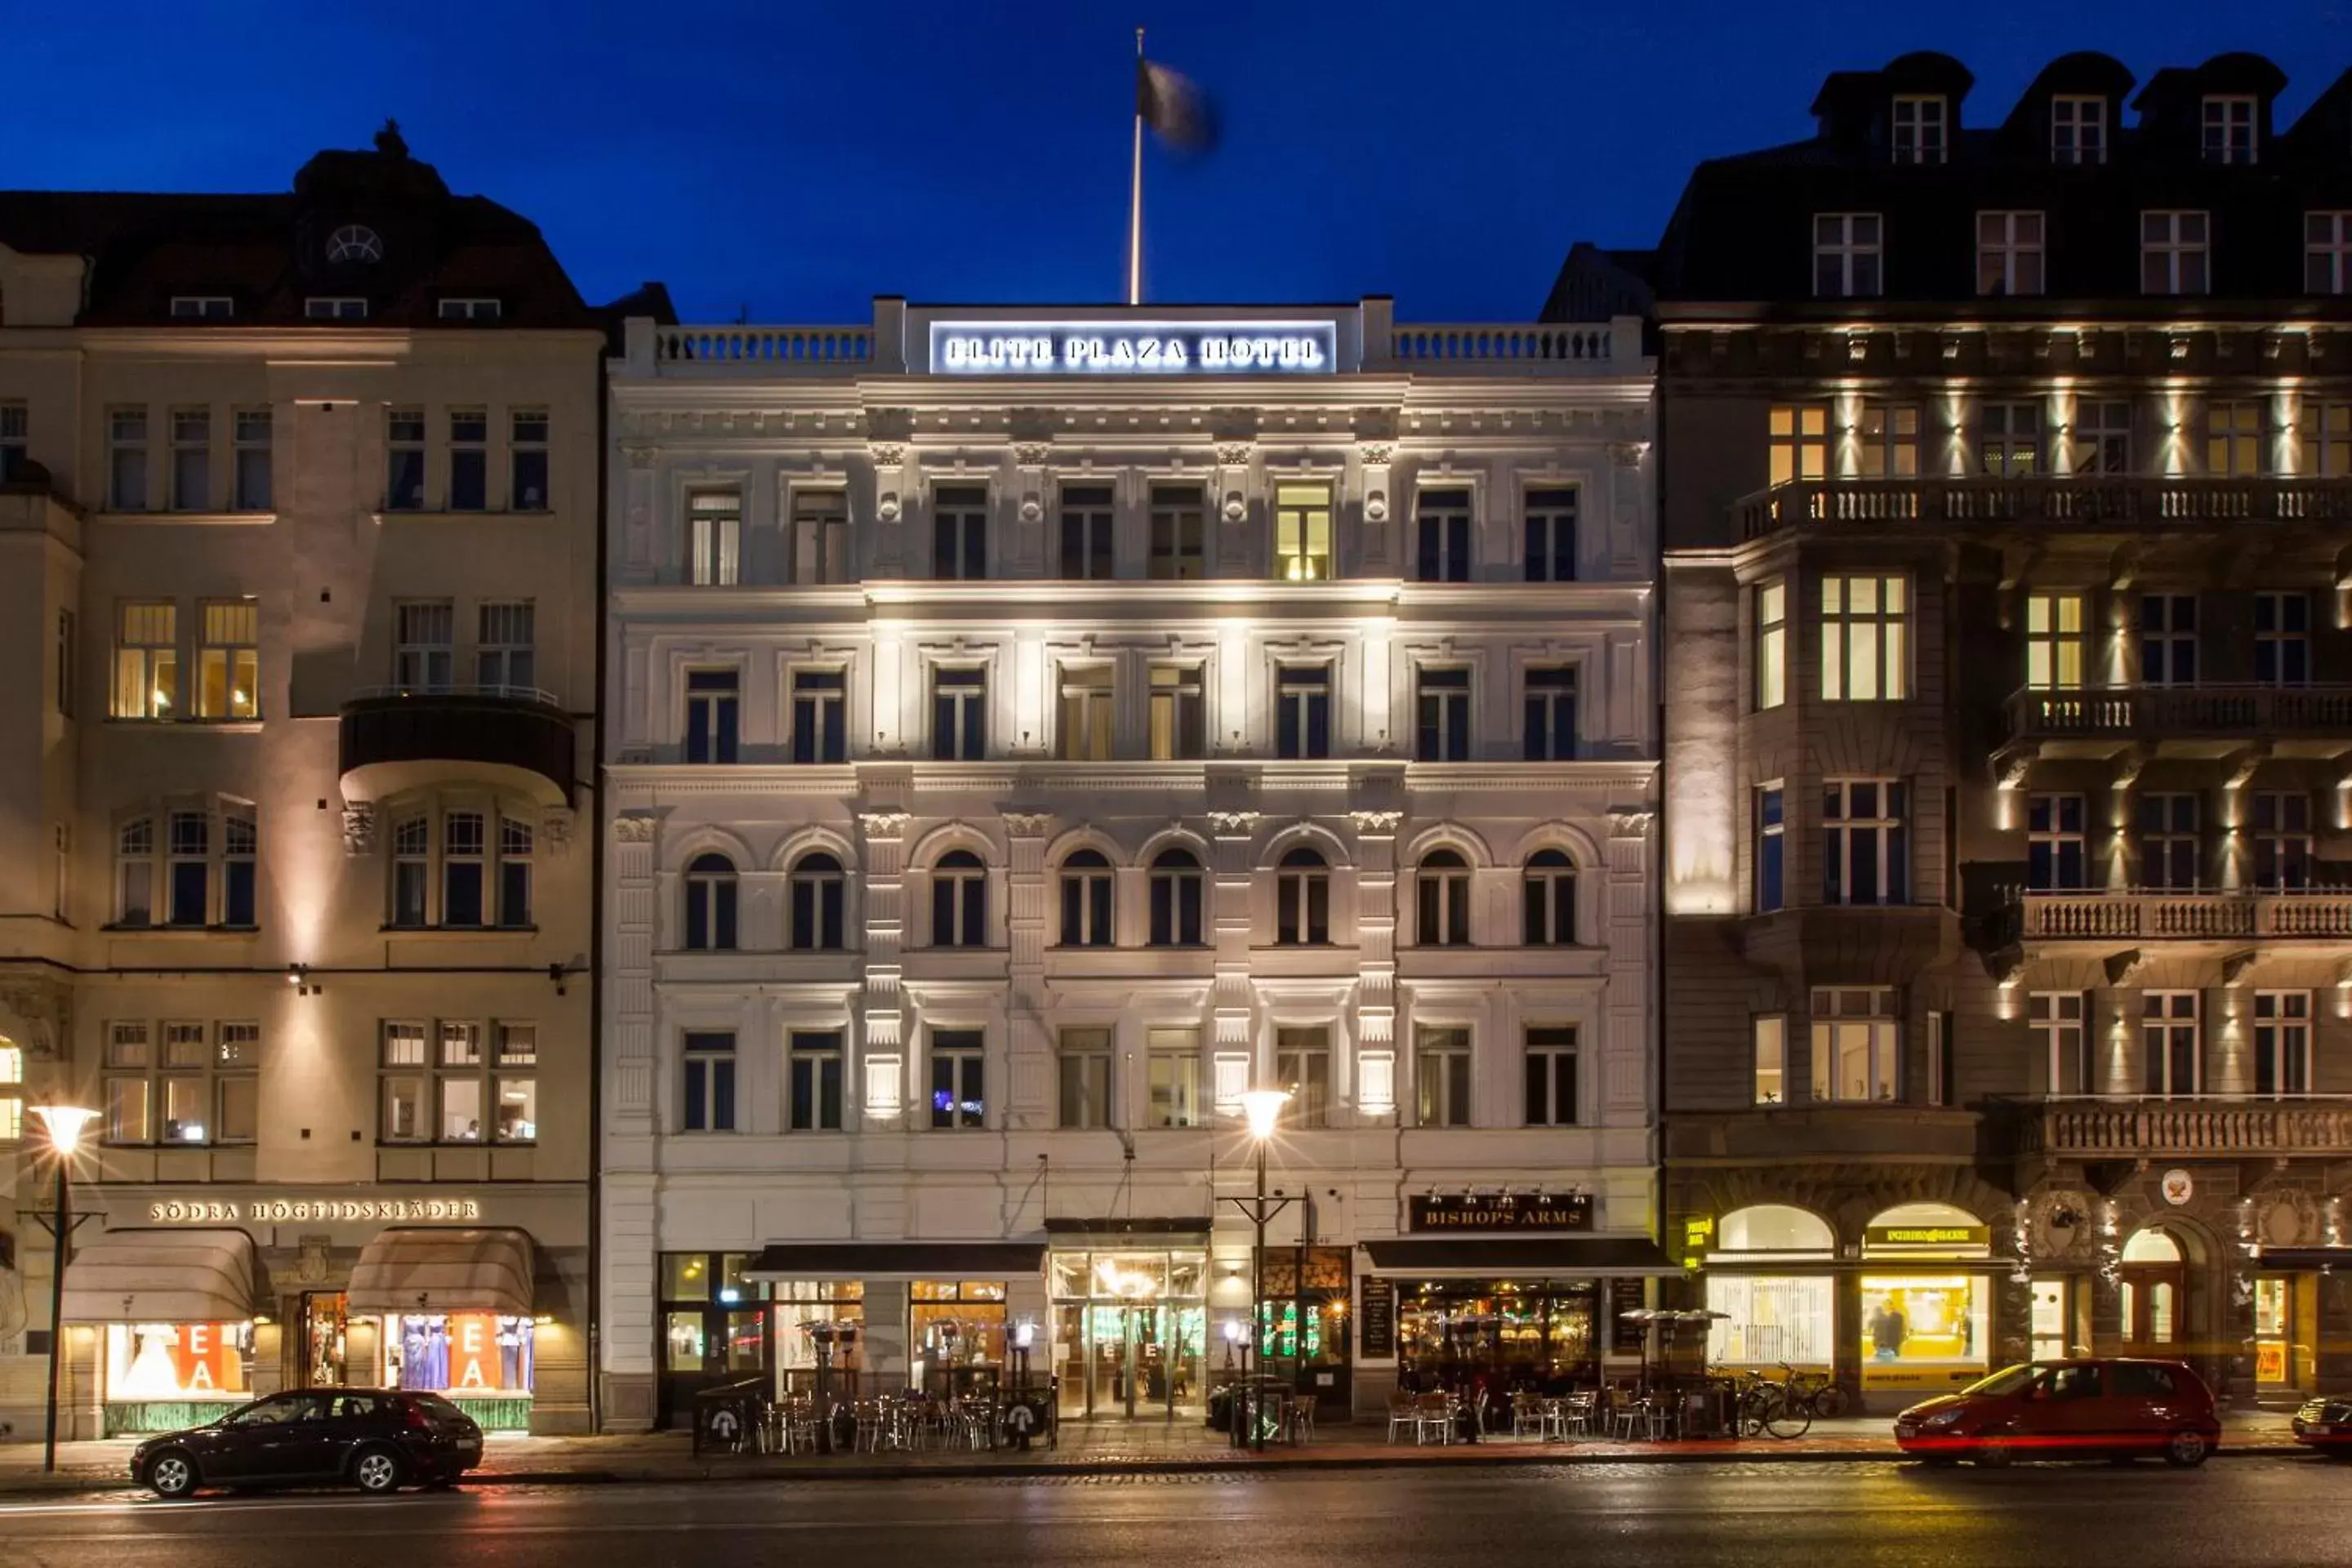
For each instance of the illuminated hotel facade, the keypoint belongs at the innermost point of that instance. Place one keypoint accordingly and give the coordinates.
(299, 562)
(2007, 870)
(1036, 729)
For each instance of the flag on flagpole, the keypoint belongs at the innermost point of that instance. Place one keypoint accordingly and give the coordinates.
(1174, 108)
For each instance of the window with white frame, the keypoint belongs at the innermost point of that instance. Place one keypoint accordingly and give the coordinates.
(1771, 602)
(239, 867)
(959, 712)
(2057, 849)
(252, 429)
(1302, 1064)
(203, 1089)
(1798, 439)
(820, 536)
(2078, 130)
(1441, 899)
(2229, 125)
(187, 868)
(959, 901)
(202, 308)
(1302, 900)
(469, 460)
(2009, 439)
(1302, 533)
(712, 890)
(820, 714)
(1865, 639)
(474, 871)
(1442, 536)
(1086, 879)
(412, 870)
(1857, 1045)
(1771, 847)
(514, 1088)
(1769, 1033)
(2172, 252)
(527, 459)
(1551, 533)
(1547, 899)
(2103, 436)
(813, 1096)
(2323, 440)
(452, 1081)
(818, 889)
(228, 659)
(2327, 253)
(146, 660)
(1177, 885)
(714, 538)
(2283, 841)
(404, 474)
(335, 308)
(126, 459)
(463, 847)
(1178, 553)
(1442, 1078)
(1888, 441)
(1084, 722)
(129, 1087)
(425, 644)
(2053, 642)
(1919, 121)
(515, 844)
(1088, 518)
(1548, 731)
(1866, 842)
(1550, 1066)
(467, 310)
(2008, 253)
(1172, 1056)
(1178, 714)
(191, 459)
(2172, 1060)
(506, 655)
(958, 1083)
(713, 702)
(1846, 256)
(2282, 1042)
(1442, 713)
(1302, 711)
(134, 872)
(2171, 844)
(960, 533)
(707, 1081)
(2168, 639)
(1084, 1060)
(2283, 639)
(2059, 1020)
(2233, 438)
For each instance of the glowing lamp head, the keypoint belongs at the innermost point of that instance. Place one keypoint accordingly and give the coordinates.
(1264, 1109)
(64, 1124)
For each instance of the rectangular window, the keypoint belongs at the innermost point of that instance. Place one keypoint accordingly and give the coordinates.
(1772, 848)
(2323, 440)
(404, 481)
(1549, 730)
(1302, 533)
(1919, 128)
(960, 533)
(2078, 130)
(236, 1089)
(335, 308)
(1865, 639)
(1846, 256)
(2103, 440)
(1087, 522)
(1178, 714)
(1174, 1058)
(1772, 601)
(2283, 639)
(516, 1083)
(1177, 514)
(1086, 1097)
(1551, 536)
(2327, 253)
(1302, 1064)
(2171, 1060)
(1889, 441)
(2172, 256)
(2282, 1042)
(527, 459)
(959, 714)
(135, 873)
(515, 841)
(68, 663)
(1302, 718)
(455, 310)
(240, 843)
(2282, 842)
(228, 659)
(191, 459)
(202, 308)
(404, 1071)
(714, 544)
(469, 460)
(2009, 440)
(2229, 129)
(707, 1100)
(147, 661)
(1085, 733)
(1867, 842)
(15, 448)
(2171, 846)
(820, 715)
(1940, 1058)
(1857, 1043)
(2008, 253)
(12, 1093)
(2233, 439)
(126, 1110)
(458, 1084)
(411, 868)
(126, 459)
(1798, 435)
(1442, 1076)
(462, 846)
(506, 646)
(2053, 642)
(189, 870)
(1770, 1033)
(2168, 639)
(816, 1058)
(957, 1088)
(1552, 1076)
(819, 537)
(253, 429)
(1442, 715)
(2057, 852)
(425, 644)
(1442, 537)
(713, 699)
(2059, 1019)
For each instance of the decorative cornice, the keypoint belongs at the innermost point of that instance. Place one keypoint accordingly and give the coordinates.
(635, 827)
(888, 454)
(1027, 823)
(882, 824)
(1233, 824)
(1234, 453)
(1375, 454)
(1633, 823)
(1377, 822)
(1031, 453)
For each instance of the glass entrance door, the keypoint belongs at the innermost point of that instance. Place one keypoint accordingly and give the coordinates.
(1131, 1347)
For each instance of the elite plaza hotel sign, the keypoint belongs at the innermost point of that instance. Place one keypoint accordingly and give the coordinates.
(1133, 348)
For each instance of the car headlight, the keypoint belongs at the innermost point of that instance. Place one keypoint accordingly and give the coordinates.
(1942, 1419)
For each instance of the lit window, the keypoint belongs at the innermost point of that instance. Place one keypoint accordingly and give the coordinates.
(1770, 1033)
(2323, 440)
(2229, 129)
(2009, 440)
(1866, 842)
(1800, 435)
(147, 662)
(1856, 1043)
(1865, 639)
(714, 542)
(1846, 256)
(1919, 124)
(1302, 533)
(2172, 253)
(2078, 130)
(1175, 1072)
(1771, 644)
(12, 1093)
(1085, 714)
(2233, 439)
(1889, 441)
(228, 660)
(2053, 642)
(2008, 253)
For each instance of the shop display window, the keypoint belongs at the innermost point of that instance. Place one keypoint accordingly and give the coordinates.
(1923, 1324)
(178, 1363)
(957, 1328)
(1769, 1319)
(459, 1353)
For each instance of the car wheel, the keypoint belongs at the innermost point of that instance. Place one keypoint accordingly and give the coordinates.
(2187, 1449)
(376, 1471)
(1993, 1457)
(171, 1474)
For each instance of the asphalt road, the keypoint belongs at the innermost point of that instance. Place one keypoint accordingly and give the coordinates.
(2232, 1514)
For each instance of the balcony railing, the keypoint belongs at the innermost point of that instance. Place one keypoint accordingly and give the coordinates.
(2125, 1127)
(2158, 712)
(1520, 347)
(2139, 915)
(810, 348)
(394, 738)
(2057, 500)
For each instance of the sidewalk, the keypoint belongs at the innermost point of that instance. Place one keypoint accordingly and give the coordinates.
(1096, 1448)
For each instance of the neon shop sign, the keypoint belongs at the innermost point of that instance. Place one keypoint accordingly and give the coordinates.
(1160, 348)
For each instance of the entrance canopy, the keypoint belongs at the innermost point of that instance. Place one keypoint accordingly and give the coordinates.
(428, 1271)
(1459, 1257)
(161, 1277)
(898, 1260)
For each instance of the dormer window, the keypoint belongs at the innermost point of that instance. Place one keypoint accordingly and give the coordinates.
(1919, 129)
(469, 310)
(202, 307)
(2229, 129)
(354, 242)
(1846, 256)
(335, 308)
(2078, 130)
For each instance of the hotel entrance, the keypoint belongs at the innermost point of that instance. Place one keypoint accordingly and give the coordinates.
(1130, 1333)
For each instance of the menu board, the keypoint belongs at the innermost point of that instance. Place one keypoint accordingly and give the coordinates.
(1376, 1319)
(1625, 1338)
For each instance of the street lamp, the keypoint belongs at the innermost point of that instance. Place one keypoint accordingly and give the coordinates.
(64, 1124)
(1263, 1107)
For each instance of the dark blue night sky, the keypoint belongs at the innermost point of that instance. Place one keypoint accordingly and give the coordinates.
(793, 159)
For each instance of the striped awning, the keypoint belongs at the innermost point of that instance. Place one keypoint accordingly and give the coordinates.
(161, 1277)
(430, 1269)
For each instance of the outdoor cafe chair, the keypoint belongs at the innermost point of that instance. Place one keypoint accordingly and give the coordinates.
(1404, 1416)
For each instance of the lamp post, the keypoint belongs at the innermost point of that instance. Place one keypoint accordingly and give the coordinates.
(64, 1124)
(1263, 1107)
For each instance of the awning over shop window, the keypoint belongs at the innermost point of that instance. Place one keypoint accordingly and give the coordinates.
(1553, 1257)
(429, 1270)
(161, 1277)
(898, 1260)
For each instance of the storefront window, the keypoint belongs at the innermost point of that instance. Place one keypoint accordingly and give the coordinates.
(1769, 1319)
(151, 1362)
(1303, 1294)
(1507, 1335)
(459, 1353)
(957, 1328)
(820, 1323)
(324, 1331)
(1923, 1330)
(1129, 1331)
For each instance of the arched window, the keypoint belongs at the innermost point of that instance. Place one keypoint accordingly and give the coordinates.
(710, 904)
(959, 901)
(817, 891)
(1176, 885)
(1550, 899)
(1302, 900)
(1086, 900)
(1441, 899)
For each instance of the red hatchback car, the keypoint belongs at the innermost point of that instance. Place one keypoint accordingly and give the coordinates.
(2065, 1409)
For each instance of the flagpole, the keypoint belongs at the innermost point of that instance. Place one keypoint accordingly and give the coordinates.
(1135, 200)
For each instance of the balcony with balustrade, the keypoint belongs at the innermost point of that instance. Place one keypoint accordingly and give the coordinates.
(2126, 1127)
(2076, 503)
(2135, 915)
(2155, 715)
(393, 738)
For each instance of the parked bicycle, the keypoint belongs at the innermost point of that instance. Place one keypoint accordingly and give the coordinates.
(1781, 1409)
